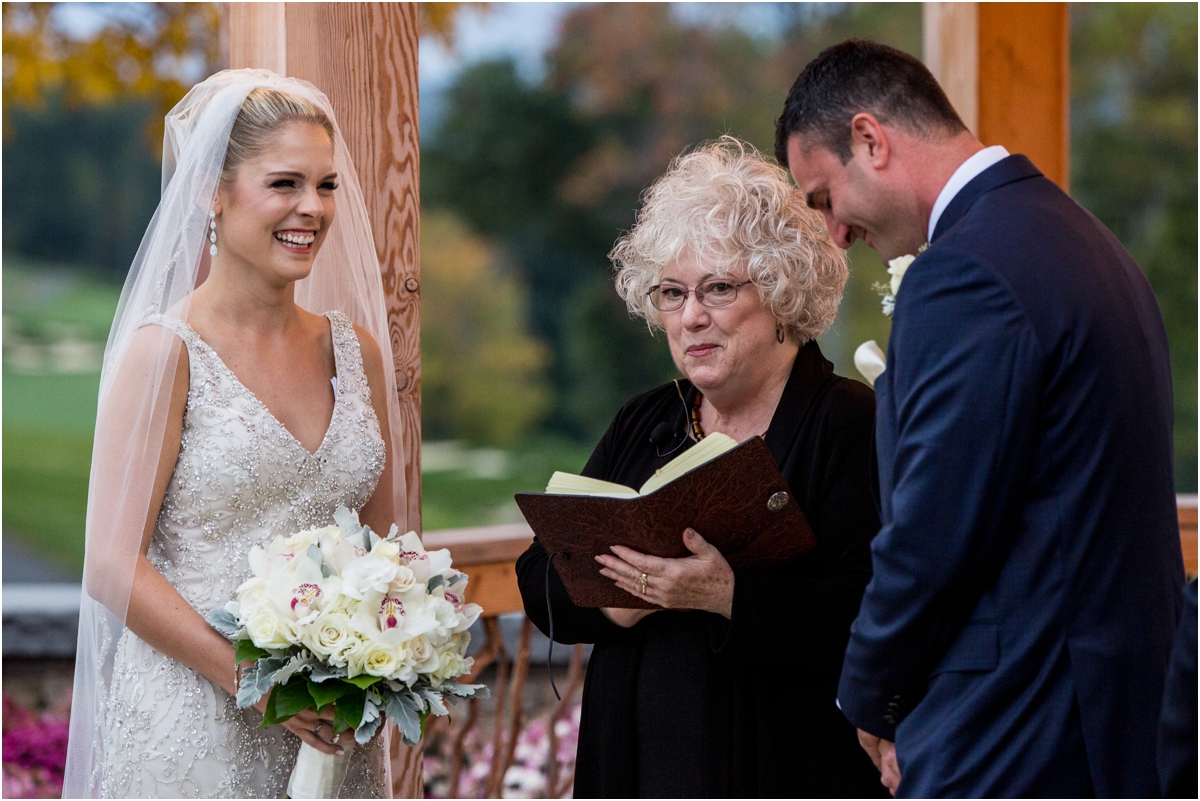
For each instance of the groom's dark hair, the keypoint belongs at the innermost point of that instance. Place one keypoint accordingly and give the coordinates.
(857, 76)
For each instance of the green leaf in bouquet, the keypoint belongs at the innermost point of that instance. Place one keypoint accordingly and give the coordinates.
(326, 570)
(349, 708)
(323, 672)
(370, 722)
(434, 583)
(314, 553)
(325, 693)
(223, 621)
(454, 689)
(363, 681)
(290, 699)
(402, 710)
(433, 700)
(297, 664)
(247, 651)
(270, 718)
(347, 521)
(256, 681)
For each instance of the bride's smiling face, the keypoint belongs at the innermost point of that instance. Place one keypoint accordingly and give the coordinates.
(274, 214)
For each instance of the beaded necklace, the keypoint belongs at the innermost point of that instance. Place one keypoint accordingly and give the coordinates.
(697, 429)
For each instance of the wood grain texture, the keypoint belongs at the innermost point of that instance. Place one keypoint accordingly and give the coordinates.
(1187, 532)
(257, 36)
(1024, 82)
(951, 51)
(493, 586)
(364, 57)
(474, 546)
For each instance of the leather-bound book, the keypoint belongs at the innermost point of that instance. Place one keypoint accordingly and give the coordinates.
(737, 500)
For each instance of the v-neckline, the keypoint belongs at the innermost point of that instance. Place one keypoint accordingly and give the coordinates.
(337, 400)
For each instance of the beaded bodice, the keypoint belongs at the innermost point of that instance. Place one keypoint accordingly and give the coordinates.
(241, 478)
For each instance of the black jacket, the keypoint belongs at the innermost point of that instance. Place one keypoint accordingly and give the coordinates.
(689, 704)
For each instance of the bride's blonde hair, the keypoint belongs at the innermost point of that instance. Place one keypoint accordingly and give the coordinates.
(265, 111)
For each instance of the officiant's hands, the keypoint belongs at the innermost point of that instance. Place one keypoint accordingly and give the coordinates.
(701, 581)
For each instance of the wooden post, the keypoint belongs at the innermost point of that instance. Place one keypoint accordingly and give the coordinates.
(363, 56)
(1006, 69)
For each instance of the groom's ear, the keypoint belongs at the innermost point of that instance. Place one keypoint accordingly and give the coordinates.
(869, 140)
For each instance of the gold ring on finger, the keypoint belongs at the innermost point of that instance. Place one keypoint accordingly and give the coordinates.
(643, 583)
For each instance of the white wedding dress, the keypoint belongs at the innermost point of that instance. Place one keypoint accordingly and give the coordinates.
(241, 479)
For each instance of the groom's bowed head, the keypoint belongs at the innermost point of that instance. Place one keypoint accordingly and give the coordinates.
(870, 139)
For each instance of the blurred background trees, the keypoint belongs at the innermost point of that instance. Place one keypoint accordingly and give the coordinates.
(527, 180)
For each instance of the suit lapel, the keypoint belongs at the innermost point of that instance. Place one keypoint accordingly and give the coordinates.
(1005, 171)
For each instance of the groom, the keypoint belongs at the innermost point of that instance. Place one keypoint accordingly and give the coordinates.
(1014, 638)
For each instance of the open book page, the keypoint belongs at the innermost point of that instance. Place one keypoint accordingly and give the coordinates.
(704, 451)
(571, 484)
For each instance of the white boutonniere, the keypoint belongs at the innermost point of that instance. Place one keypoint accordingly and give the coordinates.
(897, 267)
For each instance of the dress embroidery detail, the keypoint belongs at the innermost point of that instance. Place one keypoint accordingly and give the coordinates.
(241, 479)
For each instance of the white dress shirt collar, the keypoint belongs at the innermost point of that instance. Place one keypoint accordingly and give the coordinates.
(961, 177)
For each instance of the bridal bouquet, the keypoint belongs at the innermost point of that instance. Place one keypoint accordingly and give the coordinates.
(374, 626)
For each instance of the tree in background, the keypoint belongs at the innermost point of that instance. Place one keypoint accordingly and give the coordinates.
(1133, 164)
(553, 172)
(481, 373)
(144, 51)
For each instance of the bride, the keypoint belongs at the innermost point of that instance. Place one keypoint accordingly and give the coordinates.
(244, 395)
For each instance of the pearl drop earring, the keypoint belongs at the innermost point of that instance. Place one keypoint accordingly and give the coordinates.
(212, 233)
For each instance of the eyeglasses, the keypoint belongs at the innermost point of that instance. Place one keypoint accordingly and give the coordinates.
(714, 293)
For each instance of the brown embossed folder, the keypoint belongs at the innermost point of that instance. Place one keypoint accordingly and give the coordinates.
(738, 501)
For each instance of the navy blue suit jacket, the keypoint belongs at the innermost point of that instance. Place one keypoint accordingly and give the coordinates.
(1015, 636)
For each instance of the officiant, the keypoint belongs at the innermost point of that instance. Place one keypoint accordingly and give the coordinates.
(727, 687)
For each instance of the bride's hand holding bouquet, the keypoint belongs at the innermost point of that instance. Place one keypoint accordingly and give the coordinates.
(344, 626)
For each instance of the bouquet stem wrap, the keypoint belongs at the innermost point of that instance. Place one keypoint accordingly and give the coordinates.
(317, 774)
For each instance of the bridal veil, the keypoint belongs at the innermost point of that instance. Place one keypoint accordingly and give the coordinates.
(140, 366)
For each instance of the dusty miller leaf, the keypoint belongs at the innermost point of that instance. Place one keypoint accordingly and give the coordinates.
(258, 680)
(403, 711)
(223, 621)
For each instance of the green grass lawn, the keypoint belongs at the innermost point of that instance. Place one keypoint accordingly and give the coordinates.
(48, 423)
(456, 499)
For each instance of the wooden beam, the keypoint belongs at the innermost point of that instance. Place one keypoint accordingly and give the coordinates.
(363, 56)
(951, 42)
(257, 36)
(1016, 58)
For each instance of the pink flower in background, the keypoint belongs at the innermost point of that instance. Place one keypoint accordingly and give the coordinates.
(525, 778)
(35, 752)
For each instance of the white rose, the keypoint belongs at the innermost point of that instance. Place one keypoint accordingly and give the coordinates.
(267, 629)
(453, 665)
(299, 543)
(403, 581)
(420, 649)
(431, 658)
(383, 549)
(330, 637)
(897, 267)
(375, 659)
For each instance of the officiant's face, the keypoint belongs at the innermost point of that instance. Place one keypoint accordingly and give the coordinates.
(726, 347)
(274, 215)
(856, 199)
